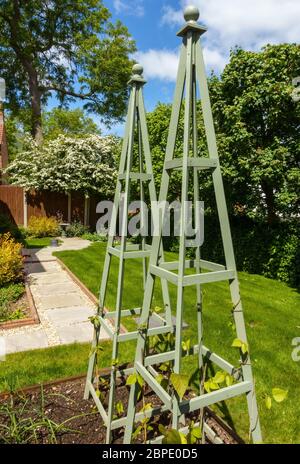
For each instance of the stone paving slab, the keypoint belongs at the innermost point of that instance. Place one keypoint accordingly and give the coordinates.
(40, 269)
(76, 333)
(26, 341)
(62, 306)
(57, 289)
(69, 316)
(62, 300)
(49, 278)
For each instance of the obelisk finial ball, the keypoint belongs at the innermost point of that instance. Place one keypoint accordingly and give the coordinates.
(137, 69)
(191, 13)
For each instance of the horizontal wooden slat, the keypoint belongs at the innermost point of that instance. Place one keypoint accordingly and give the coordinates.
(135, 176)
(214, 397)
(200, 163)
(191, 264)
(139, 254)
(208, 277)
(164, 274)
(161, 393)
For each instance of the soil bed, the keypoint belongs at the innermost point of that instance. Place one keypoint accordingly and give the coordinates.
(64, 402)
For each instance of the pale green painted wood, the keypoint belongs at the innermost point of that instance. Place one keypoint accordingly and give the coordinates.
(191, 72)
(136, 118)
(200, 163)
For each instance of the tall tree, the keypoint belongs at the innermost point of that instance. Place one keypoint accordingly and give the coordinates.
(69, 48)
(68, 122)
(258, 134)
(254, 109)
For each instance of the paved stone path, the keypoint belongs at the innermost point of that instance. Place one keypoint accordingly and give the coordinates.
(62, 306)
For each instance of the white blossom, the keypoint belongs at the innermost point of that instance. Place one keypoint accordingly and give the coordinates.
(67, 164)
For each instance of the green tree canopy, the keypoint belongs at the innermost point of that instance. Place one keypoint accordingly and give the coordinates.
(258, 133)
(67, 48)
(68, 122)
(255, 111)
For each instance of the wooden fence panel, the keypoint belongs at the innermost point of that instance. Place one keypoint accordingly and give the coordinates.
(77, 207)
(47, 203)
(12, 203)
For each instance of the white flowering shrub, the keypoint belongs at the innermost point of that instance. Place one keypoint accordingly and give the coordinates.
(67, 164)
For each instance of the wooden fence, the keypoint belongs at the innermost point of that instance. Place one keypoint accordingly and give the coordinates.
(12, 203)
(20, 208)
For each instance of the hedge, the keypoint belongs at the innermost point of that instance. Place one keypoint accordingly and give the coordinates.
(269, 250)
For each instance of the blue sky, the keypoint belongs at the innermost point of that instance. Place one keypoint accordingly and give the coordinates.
(154, 23)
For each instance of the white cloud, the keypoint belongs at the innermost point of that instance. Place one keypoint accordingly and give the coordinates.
(214, 60)
(250, 24)
(159, 64)
(163, 64)
(130, 7)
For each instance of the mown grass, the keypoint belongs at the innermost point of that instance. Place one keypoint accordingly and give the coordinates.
(272, 318)
(33, 242)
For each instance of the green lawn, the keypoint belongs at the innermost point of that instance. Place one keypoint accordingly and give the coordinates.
(32, 242)
(272, 323)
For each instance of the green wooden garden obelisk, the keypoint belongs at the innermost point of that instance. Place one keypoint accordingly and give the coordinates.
(133, 168)
(191, 79)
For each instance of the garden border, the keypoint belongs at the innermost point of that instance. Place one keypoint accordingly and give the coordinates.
(105, 372)
(33, 319)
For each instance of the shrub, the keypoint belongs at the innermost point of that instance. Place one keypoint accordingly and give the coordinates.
(6, 225)
(76, 229)
(11, 260)
(10, 294)
(269, 250)
(43, 227)
(95, 237)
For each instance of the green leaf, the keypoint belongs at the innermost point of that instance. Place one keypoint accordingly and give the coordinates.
(268, 402)
(191, 440)
(157, 309)
(207, 386)
(180, 383)
(135, 378)
(131, 379)
(214, 385)
(219, 377)
(173, 437)
(95, 321)
(164, 367)
(210, 385)
(229, 380)
(162, 381)
(162, 429)
(137, 431)
(237, 343)
(140, 380)
(244, 348)
(119, 408)
(186, 345)
(196, 432)
(147, 407)
(279, 395)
